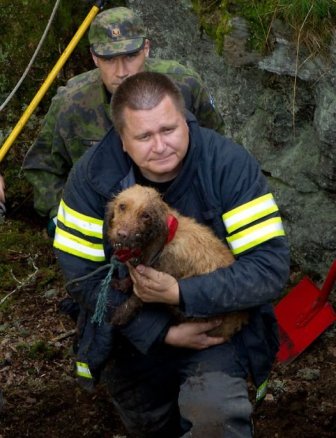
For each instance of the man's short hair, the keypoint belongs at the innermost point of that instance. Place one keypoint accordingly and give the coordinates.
(144, 91)
(116, 31)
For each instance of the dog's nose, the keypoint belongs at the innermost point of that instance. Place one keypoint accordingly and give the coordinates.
(122, 234)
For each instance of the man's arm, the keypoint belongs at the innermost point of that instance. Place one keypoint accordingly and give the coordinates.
(206, 110)
(46, 166)
(253, 229)
(200, 102)
(259, 276)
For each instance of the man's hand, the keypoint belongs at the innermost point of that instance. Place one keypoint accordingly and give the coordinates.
(153, 286)
(51, 227)
(193, 335)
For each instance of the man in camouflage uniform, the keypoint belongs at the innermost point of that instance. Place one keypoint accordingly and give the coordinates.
(79, 115)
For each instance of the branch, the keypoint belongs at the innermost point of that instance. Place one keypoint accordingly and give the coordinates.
(22, 283)
(64, 335)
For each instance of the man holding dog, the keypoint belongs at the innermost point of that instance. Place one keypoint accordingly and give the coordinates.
(168, 379)
(79, 115)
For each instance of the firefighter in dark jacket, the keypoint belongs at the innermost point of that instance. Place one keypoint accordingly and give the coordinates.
(171, 380)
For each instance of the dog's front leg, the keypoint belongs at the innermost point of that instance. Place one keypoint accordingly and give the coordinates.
(126, 311)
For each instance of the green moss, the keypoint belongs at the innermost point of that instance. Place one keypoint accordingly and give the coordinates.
(310, 21)
(22, 247)
(6, 305)
(46, 276)
(42, 350)
(39, 350)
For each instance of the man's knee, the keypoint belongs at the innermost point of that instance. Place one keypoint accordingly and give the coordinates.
(217, 405)
(155, 423)
(149, 420)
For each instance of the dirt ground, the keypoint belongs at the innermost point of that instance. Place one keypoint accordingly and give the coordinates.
(40, 396)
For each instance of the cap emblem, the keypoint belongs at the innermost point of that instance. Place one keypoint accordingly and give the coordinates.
(116, 32)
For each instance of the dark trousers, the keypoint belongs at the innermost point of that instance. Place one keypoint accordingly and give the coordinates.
(180, 392)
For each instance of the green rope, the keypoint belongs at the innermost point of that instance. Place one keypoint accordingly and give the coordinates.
(85, 277)
(101, 305)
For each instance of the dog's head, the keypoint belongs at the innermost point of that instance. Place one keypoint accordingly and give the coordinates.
(137, 222)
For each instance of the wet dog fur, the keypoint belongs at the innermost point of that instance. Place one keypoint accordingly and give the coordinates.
(137, 219)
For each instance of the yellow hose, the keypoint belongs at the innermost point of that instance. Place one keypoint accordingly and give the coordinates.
(46, 84)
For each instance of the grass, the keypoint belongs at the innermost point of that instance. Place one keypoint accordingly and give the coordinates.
(311, 20)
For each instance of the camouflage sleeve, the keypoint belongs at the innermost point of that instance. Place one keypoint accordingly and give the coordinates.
(197, 98)
(205, 110)
(46, 165)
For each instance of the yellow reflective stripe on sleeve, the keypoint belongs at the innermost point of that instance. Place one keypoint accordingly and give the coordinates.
(86, 225)
(83, 370)
(255, 235)
(79, 247)
(249, 212)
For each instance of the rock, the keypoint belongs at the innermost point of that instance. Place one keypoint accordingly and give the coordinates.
(284, 60)
(269, 398)
(51, 293)
(308, 374)
(235, 51)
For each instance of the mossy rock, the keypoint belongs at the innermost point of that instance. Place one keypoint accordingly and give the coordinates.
(311, 22)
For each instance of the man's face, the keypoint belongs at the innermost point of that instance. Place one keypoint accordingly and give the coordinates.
(114, 70)
(156, 140)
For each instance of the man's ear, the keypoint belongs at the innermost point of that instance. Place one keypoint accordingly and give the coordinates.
(146, 48)
(94, 57)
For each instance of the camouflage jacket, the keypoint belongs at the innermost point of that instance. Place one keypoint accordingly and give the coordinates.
(79, 117)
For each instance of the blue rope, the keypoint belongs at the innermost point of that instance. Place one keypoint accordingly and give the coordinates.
(101, 305)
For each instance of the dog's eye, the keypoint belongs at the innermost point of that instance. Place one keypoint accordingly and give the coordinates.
(122, 207)
(145, 216)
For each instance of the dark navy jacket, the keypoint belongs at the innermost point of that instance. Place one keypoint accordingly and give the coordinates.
(217, 176)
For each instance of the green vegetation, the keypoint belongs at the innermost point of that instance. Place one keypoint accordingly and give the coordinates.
(38, 350)
(26, 258)
(42, 350)
(309, 21)
(22, 24)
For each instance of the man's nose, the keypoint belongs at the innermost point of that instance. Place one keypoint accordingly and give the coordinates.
(121, 68)
(159, 144)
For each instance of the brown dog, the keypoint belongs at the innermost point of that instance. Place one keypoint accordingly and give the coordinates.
(142, 228)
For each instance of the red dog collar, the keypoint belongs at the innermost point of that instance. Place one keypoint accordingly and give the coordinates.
(172, 224)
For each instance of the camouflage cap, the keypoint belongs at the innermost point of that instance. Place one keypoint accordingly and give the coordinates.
(116, 31)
